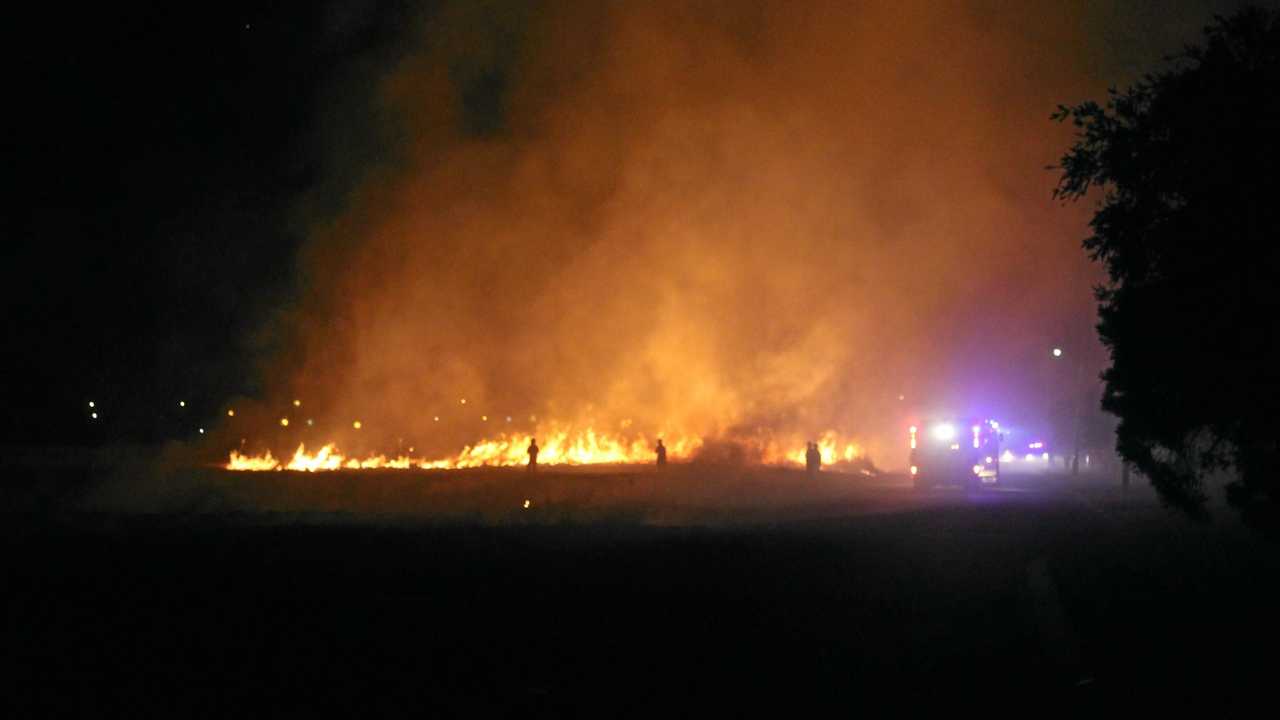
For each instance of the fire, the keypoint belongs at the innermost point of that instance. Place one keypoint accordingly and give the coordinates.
(563, 447)
(557, 447)
(832, 449)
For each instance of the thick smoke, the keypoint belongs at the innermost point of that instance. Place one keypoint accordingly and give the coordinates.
(714, 218)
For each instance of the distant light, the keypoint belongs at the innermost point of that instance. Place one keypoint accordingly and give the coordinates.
(231, 413)
(989, 458)
(911, 429)
(977, 469)
(297, 403)
(995, 425)
(182, 403)
(944, 431)
(484, 418)
(93, 415)
(902, 397)
(1057, 352)
(508, 418)
(436, 418)
(526, 504)
(1007, 456)
(284, 422)
(410, 448)
(310, 422)
(464, 401)
(955, 446)
(201, 431)
(1029, 457)
(1036, 445)
(91, 403)
(914, 469)
(357, 425)
(1044, 456)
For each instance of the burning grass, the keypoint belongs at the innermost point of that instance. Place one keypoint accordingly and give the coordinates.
(561, 447)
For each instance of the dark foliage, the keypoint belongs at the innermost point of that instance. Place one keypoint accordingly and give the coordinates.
(1187, 228)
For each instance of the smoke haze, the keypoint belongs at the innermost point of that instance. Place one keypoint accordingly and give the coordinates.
(719, 219)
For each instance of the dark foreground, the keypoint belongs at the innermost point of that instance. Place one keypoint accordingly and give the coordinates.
(1063, 593)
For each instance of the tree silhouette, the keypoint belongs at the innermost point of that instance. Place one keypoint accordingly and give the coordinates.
(1188, 228)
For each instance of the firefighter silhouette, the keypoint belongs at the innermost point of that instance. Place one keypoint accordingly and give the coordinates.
(661, 451)
(533, 453)
(812, 458)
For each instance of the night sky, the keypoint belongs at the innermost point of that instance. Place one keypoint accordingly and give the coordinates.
(248, 200)
(159, 166)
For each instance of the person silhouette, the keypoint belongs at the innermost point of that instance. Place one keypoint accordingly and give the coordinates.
(533, 454)
(812, 458)
(661, 451)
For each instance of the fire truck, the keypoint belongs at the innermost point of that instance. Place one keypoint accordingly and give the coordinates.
(955, 452)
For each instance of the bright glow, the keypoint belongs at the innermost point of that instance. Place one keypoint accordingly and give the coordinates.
(182, 403)
(1006, 456)
(989, 459)
(955, 446)
(526, 504)
(558, 446)
(913, 437)
(436, 418)
(464, 401)
(1036, 445)
(93, 415)
(231, 413)
(830, 448)
(995, 425)
(297, 403)
(201, 431)
(976, 430)
(1057, 352)
(912, 429)
(284, 422)
(1045, 457)
(977, 469)
(914, 469)
(357, 425)
(91, 403)
(310, 422)
(944, 431)
(485, 418)
(1030, 457)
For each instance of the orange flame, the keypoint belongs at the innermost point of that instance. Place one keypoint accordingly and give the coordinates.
(559, 447)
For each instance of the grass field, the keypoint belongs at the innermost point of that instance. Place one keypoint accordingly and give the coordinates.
(619, 592)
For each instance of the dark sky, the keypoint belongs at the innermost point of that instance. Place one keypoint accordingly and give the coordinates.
(176, 176)
(155, 173)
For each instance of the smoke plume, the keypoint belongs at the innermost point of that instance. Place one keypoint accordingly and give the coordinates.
(721, 219)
